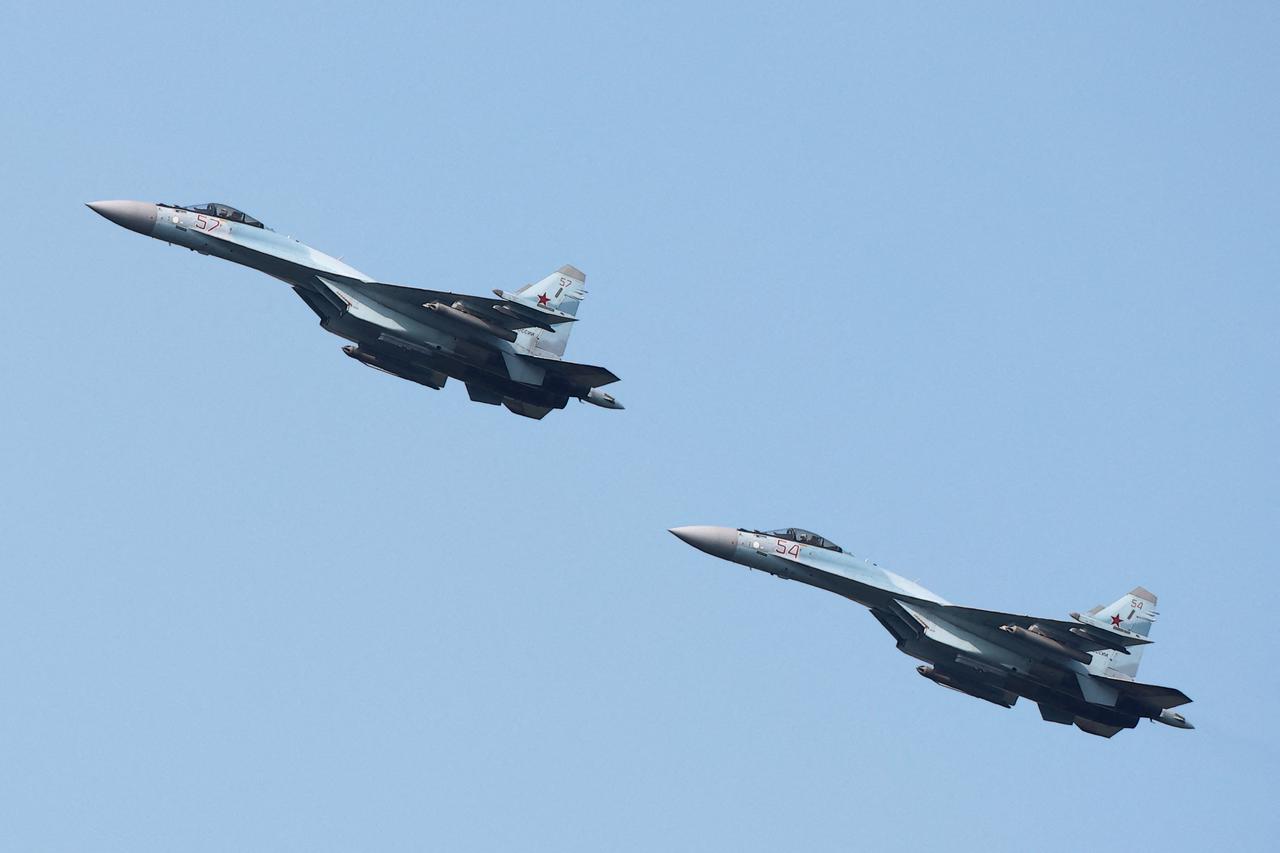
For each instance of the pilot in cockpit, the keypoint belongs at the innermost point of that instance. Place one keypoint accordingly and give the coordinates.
(223, 211)
(805, 537)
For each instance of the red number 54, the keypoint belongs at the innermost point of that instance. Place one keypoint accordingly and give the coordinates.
(787, 548)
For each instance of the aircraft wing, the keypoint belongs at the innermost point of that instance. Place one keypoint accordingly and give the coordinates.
(1086, 638)
(505, 313)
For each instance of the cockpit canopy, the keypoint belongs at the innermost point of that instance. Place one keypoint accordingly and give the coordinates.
(804, 537)
(223, 211)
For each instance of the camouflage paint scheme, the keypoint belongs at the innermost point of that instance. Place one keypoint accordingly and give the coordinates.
(508, 349)
(1080, 672)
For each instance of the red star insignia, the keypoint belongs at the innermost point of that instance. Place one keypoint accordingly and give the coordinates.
(1115, 621)
(543, 300)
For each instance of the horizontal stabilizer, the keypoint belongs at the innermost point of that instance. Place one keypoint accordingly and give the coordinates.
(580, 375)
(1147, 694)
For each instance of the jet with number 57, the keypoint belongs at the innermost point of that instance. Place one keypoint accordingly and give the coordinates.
(1081, 672)
(507, 348)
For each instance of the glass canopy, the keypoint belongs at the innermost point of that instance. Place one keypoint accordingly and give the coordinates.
(223, 211)
(803, 537)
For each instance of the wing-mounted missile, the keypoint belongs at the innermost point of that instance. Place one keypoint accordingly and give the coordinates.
(456, 317)
(499, 319)
(1039, 638)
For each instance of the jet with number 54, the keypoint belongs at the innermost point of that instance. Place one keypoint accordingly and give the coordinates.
(507, 348)
(1080, 672)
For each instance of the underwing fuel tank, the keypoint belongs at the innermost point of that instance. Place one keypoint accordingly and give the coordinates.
(994, 695)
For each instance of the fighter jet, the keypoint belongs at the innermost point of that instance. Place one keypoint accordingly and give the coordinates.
(1080, 672)
(507, 348)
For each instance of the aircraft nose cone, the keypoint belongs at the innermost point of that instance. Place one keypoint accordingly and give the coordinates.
(717, 541)
(137, 216)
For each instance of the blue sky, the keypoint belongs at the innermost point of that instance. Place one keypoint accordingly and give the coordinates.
(987, 293)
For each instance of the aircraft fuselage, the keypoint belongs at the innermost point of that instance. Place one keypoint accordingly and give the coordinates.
(990, 655)
(505, 350)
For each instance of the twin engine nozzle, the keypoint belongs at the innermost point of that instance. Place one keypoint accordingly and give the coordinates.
(596, 397)
(1173, 718)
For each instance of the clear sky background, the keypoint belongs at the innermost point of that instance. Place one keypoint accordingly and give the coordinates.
(987, 293)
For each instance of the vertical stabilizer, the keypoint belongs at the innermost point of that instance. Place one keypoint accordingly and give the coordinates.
(1134, 612)
(563, 290)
